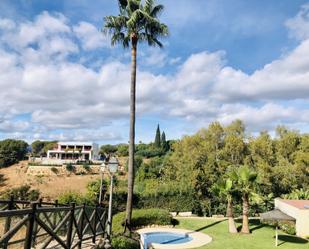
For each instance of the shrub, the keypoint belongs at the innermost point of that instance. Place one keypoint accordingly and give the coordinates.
(86, 167)
(288, 227)
(141, 218)
(69, 167)
(121, 242)
(54, 170)
(69, 197)
(24, 193)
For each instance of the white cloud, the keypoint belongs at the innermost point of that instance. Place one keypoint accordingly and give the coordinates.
(59, 93)
(90, 36)
(299, 25)
(7, 24)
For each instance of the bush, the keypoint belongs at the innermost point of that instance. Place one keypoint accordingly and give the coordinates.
(69, 197)
(121, 242)
(69, 167)
(86, 167)
(288, 227)
(54, 170)
(24, 193)
(142, 218)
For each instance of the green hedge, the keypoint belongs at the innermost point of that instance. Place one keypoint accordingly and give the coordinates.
(173, 203)
(121, 242)
(141, 218)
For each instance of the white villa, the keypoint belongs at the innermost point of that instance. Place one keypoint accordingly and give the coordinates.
(74, 151)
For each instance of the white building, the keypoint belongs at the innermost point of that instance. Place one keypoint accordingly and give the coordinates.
(74, 151)
(299, 210)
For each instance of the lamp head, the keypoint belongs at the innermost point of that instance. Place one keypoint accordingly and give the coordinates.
(113, 165)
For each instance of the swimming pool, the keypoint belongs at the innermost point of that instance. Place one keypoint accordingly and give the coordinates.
(165, 238)
(171, 238)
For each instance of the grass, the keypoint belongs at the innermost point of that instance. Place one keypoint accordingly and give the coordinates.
(261, 237)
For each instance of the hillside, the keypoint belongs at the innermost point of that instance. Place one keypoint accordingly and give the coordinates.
(50, 186)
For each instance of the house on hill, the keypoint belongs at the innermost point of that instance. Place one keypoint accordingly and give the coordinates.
(74, 151)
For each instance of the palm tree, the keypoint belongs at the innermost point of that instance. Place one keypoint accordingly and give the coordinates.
(225, 189)
(246, 179)
(135, 23)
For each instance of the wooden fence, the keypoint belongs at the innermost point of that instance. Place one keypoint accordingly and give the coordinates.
(41, 224)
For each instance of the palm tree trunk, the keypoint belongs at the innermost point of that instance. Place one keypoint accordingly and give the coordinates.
(229, 214)
(132, 136)
(245, 214)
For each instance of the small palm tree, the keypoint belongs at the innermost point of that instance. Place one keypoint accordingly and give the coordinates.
(135, 23)
(246, 179)
(225, 189)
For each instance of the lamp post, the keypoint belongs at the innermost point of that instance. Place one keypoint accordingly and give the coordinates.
(103, 166)
(112, 168)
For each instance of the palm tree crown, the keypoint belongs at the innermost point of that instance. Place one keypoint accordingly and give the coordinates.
(136, 23)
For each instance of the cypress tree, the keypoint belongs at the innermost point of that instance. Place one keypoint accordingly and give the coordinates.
(163, 142)
(157, 141)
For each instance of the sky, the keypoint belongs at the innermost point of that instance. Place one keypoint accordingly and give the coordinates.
(60, 79)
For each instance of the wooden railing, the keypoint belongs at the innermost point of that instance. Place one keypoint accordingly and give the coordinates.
(41, 224)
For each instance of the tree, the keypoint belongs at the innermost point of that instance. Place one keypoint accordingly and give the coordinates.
(163, 142)
(246, 179)
(225, 189)
(108, 149)
(157, 141)
(135, 23)
(12, 151)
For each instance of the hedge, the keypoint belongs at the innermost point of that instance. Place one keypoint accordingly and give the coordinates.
(142, 218)
(121, 242)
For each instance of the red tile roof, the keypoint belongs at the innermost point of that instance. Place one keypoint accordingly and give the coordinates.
(300, 204)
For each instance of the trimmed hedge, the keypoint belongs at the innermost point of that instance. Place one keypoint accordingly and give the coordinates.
(141, 218)
(121, 242)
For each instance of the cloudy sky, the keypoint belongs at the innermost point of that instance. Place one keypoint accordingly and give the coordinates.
(60, 78)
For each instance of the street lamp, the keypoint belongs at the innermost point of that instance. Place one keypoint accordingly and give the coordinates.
(112, 167)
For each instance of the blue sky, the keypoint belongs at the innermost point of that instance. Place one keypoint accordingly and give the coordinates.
(223, 60)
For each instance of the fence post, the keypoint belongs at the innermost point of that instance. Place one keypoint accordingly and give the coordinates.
(82, 226)
(70, 226)
(35, 225)
(95, 224)
(55, 214)
(30, 226)
(7, 224)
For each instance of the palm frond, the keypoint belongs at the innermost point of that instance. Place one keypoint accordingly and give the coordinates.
(157, 10)
(148, 6)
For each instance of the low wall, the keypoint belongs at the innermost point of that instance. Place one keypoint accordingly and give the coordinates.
(61, 170)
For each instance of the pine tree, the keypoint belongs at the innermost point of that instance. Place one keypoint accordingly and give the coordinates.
(163, 142)
(157, 141)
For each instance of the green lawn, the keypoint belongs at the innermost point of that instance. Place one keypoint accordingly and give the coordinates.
(262, 236)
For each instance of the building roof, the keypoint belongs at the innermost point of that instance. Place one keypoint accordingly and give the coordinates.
(76, 143)
(300, 204)
(276, 215)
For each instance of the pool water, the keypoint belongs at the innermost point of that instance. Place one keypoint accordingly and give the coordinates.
(165, 238)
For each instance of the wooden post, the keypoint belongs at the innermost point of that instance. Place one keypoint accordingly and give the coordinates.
(29, 232)
(70, 226)
(55, 214)
(7, 224)
(35, 225)
(82, 226)
(95, 224)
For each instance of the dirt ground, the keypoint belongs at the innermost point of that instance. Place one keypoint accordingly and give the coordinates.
(49, 186)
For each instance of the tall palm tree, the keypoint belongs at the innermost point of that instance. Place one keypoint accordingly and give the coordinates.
(225, 189)
(136, 22)
(246, 179)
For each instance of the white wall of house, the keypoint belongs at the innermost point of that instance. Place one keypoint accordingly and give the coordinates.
(301, 216)
(74, 150)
